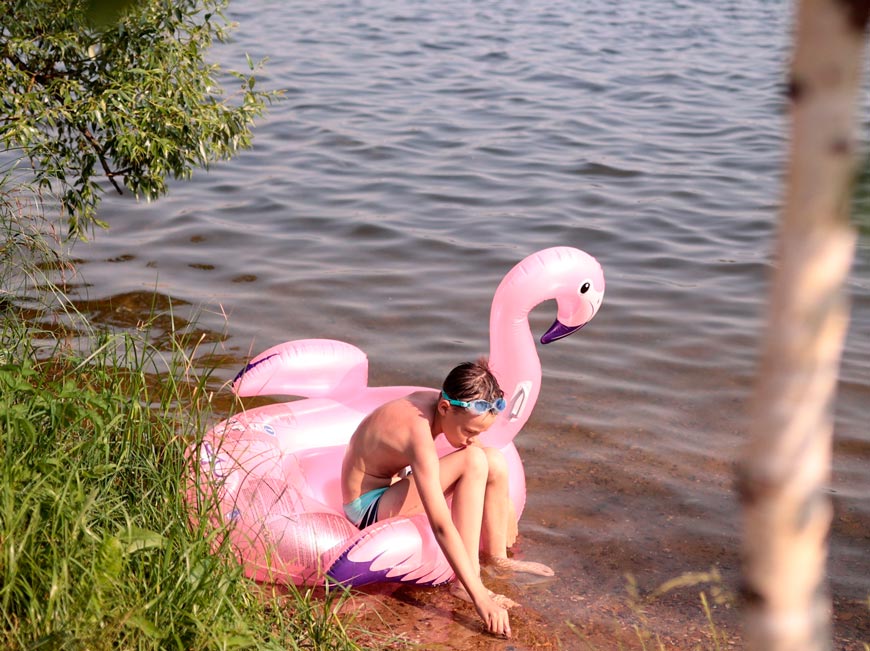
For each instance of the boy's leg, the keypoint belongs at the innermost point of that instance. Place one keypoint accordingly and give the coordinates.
(463, 476)
(499, 519)
(496, 502)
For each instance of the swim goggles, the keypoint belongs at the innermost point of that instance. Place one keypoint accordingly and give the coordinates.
(478, 406)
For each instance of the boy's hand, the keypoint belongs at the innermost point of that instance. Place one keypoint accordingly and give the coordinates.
(494, 616)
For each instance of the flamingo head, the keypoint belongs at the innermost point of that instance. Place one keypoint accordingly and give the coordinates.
(578, 297)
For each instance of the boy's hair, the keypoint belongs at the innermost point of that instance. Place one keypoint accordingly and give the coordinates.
(472, 381)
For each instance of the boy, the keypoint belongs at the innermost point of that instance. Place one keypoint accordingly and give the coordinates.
(402, 433)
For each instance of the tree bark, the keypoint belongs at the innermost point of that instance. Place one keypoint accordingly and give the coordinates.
(785, 469)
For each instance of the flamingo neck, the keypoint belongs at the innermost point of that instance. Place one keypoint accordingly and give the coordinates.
(513, 356)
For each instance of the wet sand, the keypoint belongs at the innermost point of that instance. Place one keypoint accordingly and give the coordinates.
(433, 619)
(401, 616)
(608, 611)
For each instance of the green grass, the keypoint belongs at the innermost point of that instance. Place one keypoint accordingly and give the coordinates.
(97, 550)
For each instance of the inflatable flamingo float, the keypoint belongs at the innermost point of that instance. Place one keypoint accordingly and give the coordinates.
(270, 475)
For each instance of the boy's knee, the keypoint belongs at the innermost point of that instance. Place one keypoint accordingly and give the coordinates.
(476, 461)
(496, 463)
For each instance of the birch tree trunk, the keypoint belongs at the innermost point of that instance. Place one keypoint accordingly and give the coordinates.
(785, 471)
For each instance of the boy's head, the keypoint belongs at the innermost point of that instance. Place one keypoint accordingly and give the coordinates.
(470, 382)
(469, 403)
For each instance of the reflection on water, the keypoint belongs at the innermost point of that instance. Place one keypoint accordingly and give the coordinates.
(424, 148)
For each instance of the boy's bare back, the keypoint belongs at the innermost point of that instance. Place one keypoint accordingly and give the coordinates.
(385, 441)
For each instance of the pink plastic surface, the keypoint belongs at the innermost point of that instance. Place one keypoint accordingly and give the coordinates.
(271, 474)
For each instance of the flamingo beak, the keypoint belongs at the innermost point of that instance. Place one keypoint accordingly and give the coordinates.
(559, 331)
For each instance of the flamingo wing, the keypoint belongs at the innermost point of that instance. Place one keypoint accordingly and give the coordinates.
(312, 368)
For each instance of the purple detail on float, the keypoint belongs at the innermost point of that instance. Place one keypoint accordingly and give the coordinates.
(393, 550)
(558, 331)
(248, 367)
(351, 574)
(211, 461)
(356, 574)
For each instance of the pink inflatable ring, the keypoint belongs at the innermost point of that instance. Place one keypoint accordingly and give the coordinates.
(270, 475)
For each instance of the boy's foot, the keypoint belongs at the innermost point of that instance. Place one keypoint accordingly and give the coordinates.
(458, 590)
(512, 565)
(505, 602)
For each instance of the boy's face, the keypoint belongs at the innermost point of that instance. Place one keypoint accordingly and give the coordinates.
(462, 427)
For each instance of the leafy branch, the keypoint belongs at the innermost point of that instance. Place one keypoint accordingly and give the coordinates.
(132, 102)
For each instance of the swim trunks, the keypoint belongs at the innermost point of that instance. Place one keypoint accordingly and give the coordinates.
(363, 511)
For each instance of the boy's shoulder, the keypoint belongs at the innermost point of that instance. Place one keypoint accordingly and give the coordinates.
(414, 405)
(409, 415)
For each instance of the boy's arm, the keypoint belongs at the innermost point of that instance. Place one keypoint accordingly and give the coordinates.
(425, 466)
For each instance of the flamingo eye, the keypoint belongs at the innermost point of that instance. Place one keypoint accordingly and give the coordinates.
(585, 287)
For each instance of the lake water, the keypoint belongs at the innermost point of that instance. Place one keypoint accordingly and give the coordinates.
(421, 149)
